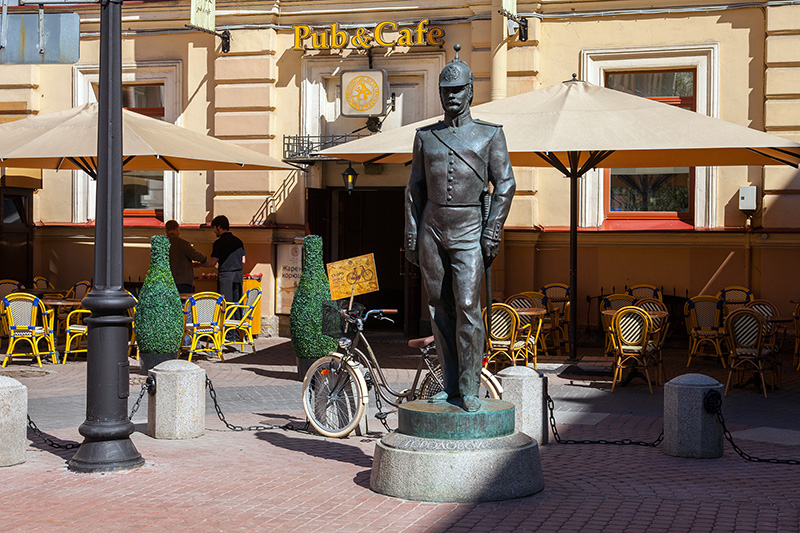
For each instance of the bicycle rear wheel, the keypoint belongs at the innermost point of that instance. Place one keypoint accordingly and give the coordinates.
(432, 383)
(334, 396)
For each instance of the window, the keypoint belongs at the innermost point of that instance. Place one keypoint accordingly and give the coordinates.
(652, 192)
(686, 75)
(152, 88)
(143, 190)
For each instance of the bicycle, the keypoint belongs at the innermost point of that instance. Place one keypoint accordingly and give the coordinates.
(336, 387)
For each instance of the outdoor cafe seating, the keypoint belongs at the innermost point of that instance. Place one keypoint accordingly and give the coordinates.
(205, 319)
(241, 328)
(506, 339)
(557, 295)
(550, 333)
(634, 344)
(645, 291)
(704, 316)
(27, 319)
(77, 332)
(735, 297)
(746, 330)
(612, 302)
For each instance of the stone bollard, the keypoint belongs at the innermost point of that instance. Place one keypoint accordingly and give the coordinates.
(526, 388)
(178, 408)
(690, 430)
(13, 421)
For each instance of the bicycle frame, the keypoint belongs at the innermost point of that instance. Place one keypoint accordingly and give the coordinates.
(368, 360)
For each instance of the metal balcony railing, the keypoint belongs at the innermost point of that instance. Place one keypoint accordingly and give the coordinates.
(299, 148)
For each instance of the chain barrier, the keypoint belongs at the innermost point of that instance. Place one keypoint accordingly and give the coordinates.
(712, 402)
(149, 385)
(232, 427)
(621, 442)
(50, 442)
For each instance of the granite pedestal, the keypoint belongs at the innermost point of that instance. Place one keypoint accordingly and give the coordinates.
(441, 453)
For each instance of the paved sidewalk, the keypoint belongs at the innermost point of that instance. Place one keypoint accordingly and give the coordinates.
(282, 480)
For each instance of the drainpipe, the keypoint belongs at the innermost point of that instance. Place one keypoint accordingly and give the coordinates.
(499, 52)
(748, 257)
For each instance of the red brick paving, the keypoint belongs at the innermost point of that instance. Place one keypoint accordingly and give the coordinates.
(282, 480)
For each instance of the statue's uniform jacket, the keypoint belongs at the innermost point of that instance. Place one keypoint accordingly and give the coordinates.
(445, 221)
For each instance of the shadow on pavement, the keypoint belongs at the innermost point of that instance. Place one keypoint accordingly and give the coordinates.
(322, 448)
(40, 444)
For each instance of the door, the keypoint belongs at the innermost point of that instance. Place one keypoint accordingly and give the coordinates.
(372, 221)
(16, 235)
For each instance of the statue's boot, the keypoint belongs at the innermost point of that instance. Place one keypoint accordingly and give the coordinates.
(471, 403)
(440, 396)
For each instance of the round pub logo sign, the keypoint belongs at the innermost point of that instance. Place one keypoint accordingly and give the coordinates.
(364, 93)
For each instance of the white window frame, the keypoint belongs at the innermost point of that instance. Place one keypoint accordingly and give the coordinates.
(704, 59)
(167, 73)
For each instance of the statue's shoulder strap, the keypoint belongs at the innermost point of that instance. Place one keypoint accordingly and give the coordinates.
(484, 123)
(431, 127)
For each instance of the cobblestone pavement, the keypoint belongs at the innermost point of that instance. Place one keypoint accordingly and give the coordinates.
(283, 480)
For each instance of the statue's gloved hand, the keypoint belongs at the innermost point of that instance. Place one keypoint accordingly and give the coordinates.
(490, 249)
(412, 256)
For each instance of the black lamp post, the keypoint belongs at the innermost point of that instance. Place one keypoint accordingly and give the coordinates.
(349, 176)
(107, 445)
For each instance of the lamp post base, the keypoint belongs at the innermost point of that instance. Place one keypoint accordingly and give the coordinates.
(105, 456)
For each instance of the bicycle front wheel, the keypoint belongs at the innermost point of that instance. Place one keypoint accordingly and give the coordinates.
(334, 396)
(432, 383)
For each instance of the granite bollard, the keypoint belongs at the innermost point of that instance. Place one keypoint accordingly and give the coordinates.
(526, 388)
(178, 408)
(690, 430)
(13, 421)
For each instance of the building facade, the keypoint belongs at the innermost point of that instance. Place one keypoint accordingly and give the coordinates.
(278, 91)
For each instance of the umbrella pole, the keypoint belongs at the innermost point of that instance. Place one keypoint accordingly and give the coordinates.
(573, 263)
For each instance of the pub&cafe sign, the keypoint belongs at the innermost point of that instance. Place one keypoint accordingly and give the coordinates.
(385, 33)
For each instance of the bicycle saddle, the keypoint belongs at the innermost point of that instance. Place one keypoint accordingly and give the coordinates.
(420, 343)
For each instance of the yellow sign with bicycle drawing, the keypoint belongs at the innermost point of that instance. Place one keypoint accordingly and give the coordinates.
(351, 277)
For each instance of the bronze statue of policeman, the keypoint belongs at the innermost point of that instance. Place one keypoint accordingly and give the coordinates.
(454, 225)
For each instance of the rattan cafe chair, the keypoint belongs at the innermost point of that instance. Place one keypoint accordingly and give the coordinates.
(613, 302)
(549, 332)
(644, 291)
(659, 331)
(745, 329)
(503, 347)
(28, 320)
(735, 297)
(704, 315)
(205, 315)
(632, 343)
(77, 332)
(773, 331)
(242, 327)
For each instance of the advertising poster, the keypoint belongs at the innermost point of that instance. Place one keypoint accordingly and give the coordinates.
(352, 276)
(289, 269)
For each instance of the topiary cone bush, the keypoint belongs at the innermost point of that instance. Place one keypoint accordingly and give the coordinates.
(305, 320)
(159, 320)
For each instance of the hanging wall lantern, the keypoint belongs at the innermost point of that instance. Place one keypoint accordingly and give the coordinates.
(349, 177)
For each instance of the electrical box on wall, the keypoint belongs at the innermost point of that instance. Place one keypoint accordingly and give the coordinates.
(747, 198)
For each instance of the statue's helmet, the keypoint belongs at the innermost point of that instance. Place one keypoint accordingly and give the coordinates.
(456, 73)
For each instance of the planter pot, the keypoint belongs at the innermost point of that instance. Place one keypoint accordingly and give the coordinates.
(148, 361)
(303, 364)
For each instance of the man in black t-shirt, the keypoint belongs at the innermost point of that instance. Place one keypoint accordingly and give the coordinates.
(228, 256)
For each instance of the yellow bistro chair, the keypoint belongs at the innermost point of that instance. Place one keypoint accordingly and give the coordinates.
(243, 327)
(735, 297)
(745, 329)
(205, 316)
(28, 319)
(77, 332)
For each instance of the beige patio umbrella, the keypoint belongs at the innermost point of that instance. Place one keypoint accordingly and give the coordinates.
(68, 140)
(574, 126)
